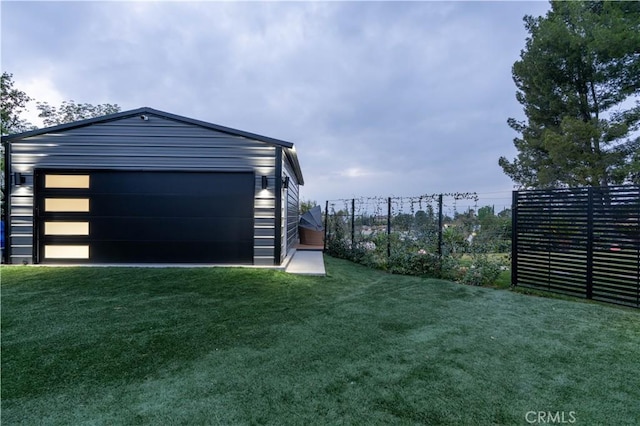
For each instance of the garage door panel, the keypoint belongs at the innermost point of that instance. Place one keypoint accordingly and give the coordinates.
(148, 217)
(175, 183)
(165, 229)
(177, 252)
(139, 205)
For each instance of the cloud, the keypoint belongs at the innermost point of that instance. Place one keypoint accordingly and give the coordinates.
(380, 97)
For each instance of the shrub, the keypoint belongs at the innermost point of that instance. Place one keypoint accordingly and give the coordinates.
(418, 262)
(452, 268)
(415, 256)
(483, 271)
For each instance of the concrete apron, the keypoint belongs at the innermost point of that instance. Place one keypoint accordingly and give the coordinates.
(296, 262)
(307, 263)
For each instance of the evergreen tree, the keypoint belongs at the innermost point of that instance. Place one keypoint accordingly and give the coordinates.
(578, 79)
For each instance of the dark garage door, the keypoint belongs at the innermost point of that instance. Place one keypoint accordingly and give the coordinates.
(144, 217)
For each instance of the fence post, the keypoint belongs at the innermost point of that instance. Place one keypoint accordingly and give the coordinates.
(514, 238)
(353, 223)
(589, 243)
(326, 223)
(440, 226)
(388, 228)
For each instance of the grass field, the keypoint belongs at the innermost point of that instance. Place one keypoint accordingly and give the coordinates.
(109, 346)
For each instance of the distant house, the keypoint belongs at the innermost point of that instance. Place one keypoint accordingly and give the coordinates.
(146, 186)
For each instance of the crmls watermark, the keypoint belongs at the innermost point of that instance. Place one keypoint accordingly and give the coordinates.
(550, 417)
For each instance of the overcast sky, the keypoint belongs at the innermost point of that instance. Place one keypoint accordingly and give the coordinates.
(380, 98)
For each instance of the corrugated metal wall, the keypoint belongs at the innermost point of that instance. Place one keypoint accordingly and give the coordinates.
(134, 144)
(290, 227)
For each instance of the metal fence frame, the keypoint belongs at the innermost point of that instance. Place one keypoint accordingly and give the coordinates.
(395, 227)
(583, 242)
(389, 216)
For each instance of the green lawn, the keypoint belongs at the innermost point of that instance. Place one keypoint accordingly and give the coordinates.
(110, 346)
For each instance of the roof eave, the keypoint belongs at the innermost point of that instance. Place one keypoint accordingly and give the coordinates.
(292, 155)
(74, 125)
(140, 111)
(287, 146)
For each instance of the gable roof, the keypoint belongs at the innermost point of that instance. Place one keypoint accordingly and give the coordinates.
(287, 146)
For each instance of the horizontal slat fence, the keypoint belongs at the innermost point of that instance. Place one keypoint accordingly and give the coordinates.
(579, 241)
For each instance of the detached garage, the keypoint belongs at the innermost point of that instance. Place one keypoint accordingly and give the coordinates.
(146, 186)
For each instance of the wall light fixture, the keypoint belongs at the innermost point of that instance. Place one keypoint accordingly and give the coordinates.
(19, 178)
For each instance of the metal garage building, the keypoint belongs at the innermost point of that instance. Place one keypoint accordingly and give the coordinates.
(146, 186)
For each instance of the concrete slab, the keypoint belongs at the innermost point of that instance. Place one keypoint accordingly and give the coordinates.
(302, 262)
(151, 265)
(307, 263)
(308, 247)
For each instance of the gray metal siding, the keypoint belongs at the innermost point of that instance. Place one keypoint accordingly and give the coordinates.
(135, 144)
(293, 207)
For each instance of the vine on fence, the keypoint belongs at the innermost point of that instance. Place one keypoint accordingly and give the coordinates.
(416, 236)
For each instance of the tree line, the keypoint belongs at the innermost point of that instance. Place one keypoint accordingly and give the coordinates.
(13, 105)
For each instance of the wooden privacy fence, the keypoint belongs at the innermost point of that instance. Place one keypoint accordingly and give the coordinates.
(579, 241)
